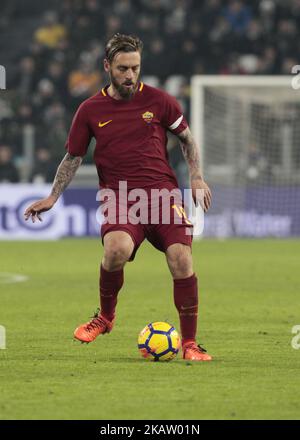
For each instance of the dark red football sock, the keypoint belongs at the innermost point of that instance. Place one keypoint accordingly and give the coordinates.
(110, 285)
(186, 302)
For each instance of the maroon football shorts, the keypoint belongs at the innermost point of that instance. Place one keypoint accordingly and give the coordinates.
(161, 220)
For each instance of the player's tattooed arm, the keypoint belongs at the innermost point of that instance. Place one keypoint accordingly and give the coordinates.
(65, 173)
(191, 153)
(200, 190)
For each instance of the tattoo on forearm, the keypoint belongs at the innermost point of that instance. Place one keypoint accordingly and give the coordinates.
(191, 153)
(65, 174)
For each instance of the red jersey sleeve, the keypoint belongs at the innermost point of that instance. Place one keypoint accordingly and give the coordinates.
(79, 135)
(173, 118)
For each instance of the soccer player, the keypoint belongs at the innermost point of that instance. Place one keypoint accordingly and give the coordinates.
(129, 121)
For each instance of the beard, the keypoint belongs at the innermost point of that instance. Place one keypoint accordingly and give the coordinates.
(125, 92)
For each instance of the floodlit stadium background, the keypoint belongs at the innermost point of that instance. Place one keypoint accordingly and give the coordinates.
(52, 52)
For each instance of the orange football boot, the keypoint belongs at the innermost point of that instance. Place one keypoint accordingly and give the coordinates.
(194, 352)
(89, 331)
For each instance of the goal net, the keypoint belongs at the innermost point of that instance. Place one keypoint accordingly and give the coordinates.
(248, 129)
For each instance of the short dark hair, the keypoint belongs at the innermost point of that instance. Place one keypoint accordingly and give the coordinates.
(122, 43)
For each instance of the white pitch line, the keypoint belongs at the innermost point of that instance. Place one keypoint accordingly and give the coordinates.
(10, 278)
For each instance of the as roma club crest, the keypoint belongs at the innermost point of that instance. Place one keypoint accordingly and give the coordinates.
(147, 116)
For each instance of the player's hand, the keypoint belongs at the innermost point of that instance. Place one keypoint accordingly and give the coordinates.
(34, 211)
(204, 196)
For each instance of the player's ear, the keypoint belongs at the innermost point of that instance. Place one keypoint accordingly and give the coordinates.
(106, 65)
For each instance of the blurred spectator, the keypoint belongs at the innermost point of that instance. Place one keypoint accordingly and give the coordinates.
(233, 66)
(122, 8)
(176, 19)
(220, 30)
(253, 38)
(56, 74)
(188, 52)
(125, 10)
(248, 64)
(44, 96)
(113, 25)
(83, 32)
(6, 111)
(27, 77)
(22, 118)
(146, 26)
(8, 171)
(54, 112)
(267, 11)
(59, 64)
(153, 62)
(44, 169)
(96, 53)
(237, 15)
(56, 138)
(268, 62)
(8, 9)
(287, 64)
(209, 13)
(51, 32)
(84, 81)
(41, 55)
(286, 37)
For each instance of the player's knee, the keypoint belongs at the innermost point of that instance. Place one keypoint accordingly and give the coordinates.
(115, 256)
(180, 262)
(118, 247)
(182, 268)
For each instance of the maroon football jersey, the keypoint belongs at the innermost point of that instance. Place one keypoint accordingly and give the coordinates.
(131, 136)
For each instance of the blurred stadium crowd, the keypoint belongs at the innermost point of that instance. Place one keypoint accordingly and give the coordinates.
(53, 60)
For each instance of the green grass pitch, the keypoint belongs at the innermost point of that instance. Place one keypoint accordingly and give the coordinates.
(249, 302)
